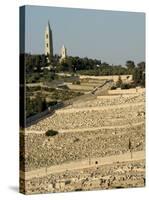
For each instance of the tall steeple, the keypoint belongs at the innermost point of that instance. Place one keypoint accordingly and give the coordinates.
(63, 53)
(48, 42)
(49, 24)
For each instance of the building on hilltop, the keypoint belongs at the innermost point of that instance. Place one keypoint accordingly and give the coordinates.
(48, 42)
(63, 53)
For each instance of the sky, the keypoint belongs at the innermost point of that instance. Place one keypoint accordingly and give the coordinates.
(110, 36)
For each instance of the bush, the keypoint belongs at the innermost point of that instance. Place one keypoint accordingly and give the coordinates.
(33, 89)
(113, 88)
(49, 89)
(64, 87)
(51, 133)
(67, 182)
(78, 189)
(76, 82)
(119, 82)
(52, 103)
(34, 106)
(125, 86)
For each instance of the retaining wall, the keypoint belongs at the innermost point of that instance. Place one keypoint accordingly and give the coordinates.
(125, 78)
(126, 91)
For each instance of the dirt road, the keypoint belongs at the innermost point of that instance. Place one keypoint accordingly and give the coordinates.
(82, 164)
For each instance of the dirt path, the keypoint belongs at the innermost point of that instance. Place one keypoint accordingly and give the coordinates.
(82, 164)
(99, 108)
(86, 129)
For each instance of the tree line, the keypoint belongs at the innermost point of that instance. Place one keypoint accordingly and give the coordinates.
(86, 66)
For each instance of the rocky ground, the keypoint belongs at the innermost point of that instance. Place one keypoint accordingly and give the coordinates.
(44, 151)
(98, 127)
(117, 175)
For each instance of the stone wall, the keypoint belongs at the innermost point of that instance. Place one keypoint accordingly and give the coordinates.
(109, 100)
(126, 91)
(36, 117)
(40, 116)
(125, 78)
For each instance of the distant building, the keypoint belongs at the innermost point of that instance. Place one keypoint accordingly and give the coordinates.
(63, 53)
(48, 42)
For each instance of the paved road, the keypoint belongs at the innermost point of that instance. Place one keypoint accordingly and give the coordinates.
(82, 164)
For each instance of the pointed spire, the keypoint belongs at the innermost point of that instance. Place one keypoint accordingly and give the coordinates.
(49, 24)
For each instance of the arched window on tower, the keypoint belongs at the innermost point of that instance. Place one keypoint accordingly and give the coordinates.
(47, 44)
(46, 35)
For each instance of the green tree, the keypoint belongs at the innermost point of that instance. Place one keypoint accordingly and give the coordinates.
(141, 66)
(130, 64)
(119, 82)
(139, 77)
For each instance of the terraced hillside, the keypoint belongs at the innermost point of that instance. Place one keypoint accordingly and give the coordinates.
(88, 131)
(117, 175)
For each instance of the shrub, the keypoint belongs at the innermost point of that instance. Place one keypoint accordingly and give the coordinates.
(113, 88)
(51, 133)
(76, 82)
(125, 86)
(67, 182)
(119, 82)
(76, 140)
(64, 87)
(78, 189)
(52, 103)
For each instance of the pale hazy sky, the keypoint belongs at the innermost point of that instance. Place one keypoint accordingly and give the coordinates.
(111, 36)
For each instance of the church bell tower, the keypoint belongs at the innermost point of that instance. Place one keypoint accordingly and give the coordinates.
(48, 42)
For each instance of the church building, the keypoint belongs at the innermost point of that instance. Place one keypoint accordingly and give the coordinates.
(48, 42)
(63, 53)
